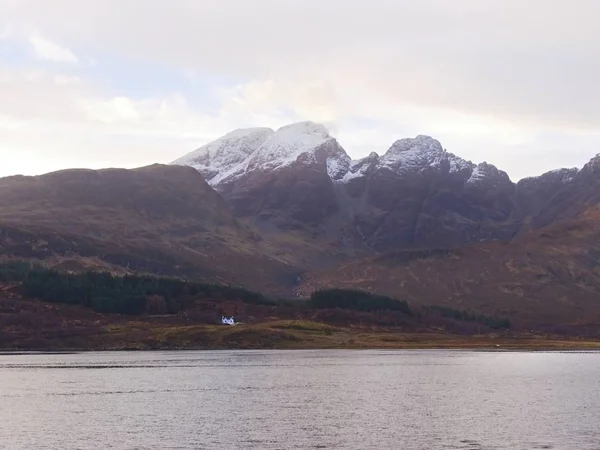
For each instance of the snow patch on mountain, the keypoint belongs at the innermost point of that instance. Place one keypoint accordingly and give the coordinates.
(360, 168)
(361, 172)
(566, 175)
(477, 175)
(487, 171)
(242, 151)
(287, 144)
(337, 167)
(413, 154)
(225, 153)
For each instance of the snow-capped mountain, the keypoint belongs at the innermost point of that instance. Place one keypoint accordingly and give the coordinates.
(300, 176)
(286, 145)
(242, 151)
(245, 150)
(414, 194)
(411, 155)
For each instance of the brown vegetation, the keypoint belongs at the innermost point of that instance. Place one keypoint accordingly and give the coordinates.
(167, 220)
(35, 325)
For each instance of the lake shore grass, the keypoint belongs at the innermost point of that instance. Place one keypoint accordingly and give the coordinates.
(293, 334)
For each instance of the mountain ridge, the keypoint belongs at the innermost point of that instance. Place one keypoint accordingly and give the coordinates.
(260, 148)
(415, 185)
(288, 211)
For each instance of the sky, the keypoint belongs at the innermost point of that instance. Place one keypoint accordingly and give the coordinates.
(107, 83)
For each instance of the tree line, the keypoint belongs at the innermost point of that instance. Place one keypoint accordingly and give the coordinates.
(107, 293)
(357, 301)
(139, 294)
(367, 302)
(464, 316)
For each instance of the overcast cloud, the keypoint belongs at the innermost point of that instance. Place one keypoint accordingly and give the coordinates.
(96, 83)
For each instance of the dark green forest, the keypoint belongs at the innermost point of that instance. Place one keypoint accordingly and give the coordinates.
(464, 316)
(106, 293)
(357, 301)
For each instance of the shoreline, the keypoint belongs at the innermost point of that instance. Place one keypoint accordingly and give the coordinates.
(139, 335)
(149, 350)
(542, 345)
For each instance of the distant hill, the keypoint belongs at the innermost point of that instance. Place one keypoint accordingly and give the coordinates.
(160, 219)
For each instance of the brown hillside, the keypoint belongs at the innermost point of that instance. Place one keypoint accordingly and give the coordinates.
(162, 219)
(552, 275)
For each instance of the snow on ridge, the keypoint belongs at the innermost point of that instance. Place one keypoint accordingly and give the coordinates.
(357, 168)
(566, 175)
(477, 175)
(225, 152)
(289, 142)
(480, 171)
(338, 167)
(415, 153)
(349, 175)
(274, 149)
(484, 169)
(245, 150)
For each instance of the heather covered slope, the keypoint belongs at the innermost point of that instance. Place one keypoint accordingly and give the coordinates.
(162, 219)
(544, 276)
(42, 309)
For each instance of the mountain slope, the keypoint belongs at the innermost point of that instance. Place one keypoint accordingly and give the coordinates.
(163, 219)
(548, 276)
(419, 195)
(416, 194)
(285, 192)
(424, 224)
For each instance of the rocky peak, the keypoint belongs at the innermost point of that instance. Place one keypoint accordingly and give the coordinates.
(420, 144)
(553, 179)
(488, 173)
(288, 143)
(262, 150)
(593, 165)
(359, 168)
(414, 154)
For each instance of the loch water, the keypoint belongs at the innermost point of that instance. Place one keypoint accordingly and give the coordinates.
(328, 399)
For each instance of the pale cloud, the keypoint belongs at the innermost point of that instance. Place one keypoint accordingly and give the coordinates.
(5, 33)
(316, 99)
(50, 121)
(62, 80)
(47, 50)
(507, 81)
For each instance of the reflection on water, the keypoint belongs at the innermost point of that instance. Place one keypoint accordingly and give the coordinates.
(300, 399)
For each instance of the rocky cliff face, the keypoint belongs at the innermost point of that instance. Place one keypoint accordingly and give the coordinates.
(286, 181)
(419, 195)
(414, 195)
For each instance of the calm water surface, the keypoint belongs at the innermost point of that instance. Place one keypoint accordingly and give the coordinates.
(300, 399)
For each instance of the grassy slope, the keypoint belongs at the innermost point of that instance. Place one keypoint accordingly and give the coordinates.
(312, 335)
